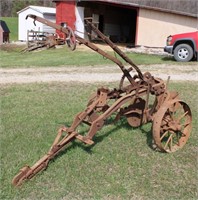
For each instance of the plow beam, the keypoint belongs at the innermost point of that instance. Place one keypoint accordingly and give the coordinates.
(27, 172)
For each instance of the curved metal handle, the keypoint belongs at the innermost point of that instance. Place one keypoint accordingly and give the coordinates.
(32, 16)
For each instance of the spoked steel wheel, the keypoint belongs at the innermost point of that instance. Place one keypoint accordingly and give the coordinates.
(172, 125)
(71, 39)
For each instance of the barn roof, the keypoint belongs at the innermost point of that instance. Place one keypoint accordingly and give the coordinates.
(40, 9)
(183, 7)
(4, 26)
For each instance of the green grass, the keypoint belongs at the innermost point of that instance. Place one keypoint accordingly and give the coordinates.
(51, 57)
(65, 57)
(12, 23)
(120, 166)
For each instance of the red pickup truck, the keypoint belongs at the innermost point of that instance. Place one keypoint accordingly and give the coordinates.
(183, 46)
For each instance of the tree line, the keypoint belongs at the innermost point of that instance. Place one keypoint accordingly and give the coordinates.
(9, 8)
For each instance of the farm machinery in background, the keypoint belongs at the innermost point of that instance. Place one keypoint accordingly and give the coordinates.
(140, 98)
(38, 40)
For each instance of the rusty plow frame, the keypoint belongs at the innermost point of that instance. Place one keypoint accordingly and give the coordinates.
(170, 117)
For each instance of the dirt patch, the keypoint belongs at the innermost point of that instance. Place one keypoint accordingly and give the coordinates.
(93, 74)
(125, 48)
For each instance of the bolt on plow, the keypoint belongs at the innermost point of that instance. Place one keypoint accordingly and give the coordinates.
(140, 98)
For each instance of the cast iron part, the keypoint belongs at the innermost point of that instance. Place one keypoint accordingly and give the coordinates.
(170, 117)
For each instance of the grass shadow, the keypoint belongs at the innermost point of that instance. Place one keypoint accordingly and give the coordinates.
(122, 123)
(171, 59)
(168, 58)
(149, 136)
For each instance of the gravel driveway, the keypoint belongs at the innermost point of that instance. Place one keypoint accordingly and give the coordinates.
(93, 74)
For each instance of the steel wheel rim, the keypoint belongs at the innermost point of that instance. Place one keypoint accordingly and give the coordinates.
(172, 126)
(71, 39)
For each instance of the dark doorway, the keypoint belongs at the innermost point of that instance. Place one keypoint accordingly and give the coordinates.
(120, 24)
(101, 23)
(116, 21)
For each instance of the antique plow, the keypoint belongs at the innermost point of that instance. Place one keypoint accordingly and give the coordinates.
(133, 99)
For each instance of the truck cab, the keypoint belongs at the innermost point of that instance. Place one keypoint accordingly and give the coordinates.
(184, 47)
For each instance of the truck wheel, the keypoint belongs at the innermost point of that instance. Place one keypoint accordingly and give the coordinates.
(183, 53)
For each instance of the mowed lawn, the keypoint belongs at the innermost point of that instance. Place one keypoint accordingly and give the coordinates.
(62, 56)
(121, 165)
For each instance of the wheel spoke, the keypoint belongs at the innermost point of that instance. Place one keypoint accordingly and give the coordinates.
(172, 111)
(166, 119)
(169, 139)
(182, 116)
(182, 134)
(178, 139)
(186, 124)
(176, 110)
(163, 135)
(171, 142)
(179, 143)
(175, 126)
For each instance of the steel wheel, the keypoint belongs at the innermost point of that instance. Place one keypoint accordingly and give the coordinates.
(71, 39)
(135, 112)
(172, 125)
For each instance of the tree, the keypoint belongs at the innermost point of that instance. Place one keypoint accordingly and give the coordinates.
(9, 8)
(5, 8)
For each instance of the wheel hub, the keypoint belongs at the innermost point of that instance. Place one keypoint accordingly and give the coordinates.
(183, 53)
(175, 125)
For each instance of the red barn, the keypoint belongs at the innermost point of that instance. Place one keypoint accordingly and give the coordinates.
(136, 22)
(65, 13)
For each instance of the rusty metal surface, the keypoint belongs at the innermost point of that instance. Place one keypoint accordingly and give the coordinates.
(170, 117)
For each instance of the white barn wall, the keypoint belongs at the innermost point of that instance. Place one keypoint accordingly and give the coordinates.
(80, 28)
(155, 26)
(25, 25)
(51, 18)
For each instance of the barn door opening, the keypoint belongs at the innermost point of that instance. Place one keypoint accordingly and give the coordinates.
(119, 24)
(132, 27)
(116, 21)
(101, 23)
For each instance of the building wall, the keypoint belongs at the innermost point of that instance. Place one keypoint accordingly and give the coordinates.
(155, 26)
(25, 25)
(52, 18)
(65, 13)
(80, 28)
